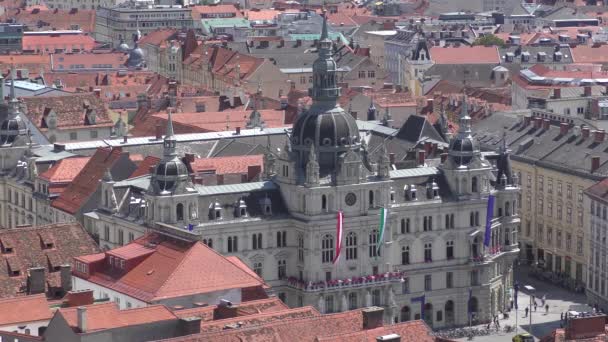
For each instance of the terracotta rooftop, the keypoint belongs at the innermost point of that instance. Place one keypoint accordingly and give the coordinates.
(265, 14)
(85, 183)
(172, 270)
(465, 55)
(143, 168)
(217, 121)
(226, 165)
(51, 40)
(108, 316)
(63, 61)
(157, 37)
(63, 172)
(253, 307)
(62, 243)
(590, 54)
(40, 19)
(71, 110)
(199, 11)
(24, 309)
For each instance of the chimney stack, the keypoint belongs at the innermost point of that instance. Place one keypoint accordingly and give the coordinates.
(159, 132)
(557, 93)
(546, 124)
(391, 157)
(444, 157)
(81, 313)
(238, 130)
(587, 91)
(421, 157)
(125, 139)
(65, 272)
(586, 132)
(427, 147)
(36, 280)
(563, 128)
(538, 122)
(595, 163)
(527, 121)
(372, 317)
(599, 135)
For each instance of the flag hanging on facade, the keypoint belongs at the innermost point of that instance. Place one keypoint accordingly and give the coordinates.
(339, 233)
(420, 299)
(515, 291)
(490, 213)
(469, 306)
(383, 218)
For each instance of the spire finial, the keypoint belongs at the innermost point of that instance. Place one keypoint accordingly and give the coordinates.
(324, 34)
(465, 119)
(169, 124)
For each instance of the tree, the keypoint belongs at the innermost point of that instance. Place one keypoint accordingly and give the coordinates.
(489, 40)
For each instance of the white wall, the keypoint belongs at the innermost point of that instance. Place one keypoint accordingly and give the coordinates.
(100, 292)
(32, 326)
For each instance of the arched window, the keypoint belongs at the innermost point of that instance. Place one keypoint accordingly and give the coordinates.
(447, 221)
(179, 212)
(449, 312)
(402, 226)
(371, 199)
(208, 242)
(257, 268)
(406, 314)
(329, 304)
(376, 297)
(472, 219)
(352, 301)
(475, 247)
(428, 314)
(373, 244)
(405, 255)
(300, 247)
(257, 241)
(324, 203)
(351, 246)
(449, 250)
(477, 218)
(474, 185)
(451, 220)
(327, 248)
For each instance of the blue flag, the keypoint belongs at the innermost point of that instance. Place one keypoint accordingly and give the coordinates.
(421, 300)
(190, 227)
(490, 213)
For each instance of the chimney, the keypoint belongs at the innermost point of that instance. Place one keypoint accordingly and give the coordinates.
(81, 316)
(36, 281)
(599, 135)
(430, 104)
(557, 93)
(189, 326)
(125, 139)
(586, 132)
(538, 122)
(586, 327)
(595, 163)
(421, 157)
(527, 121)
(444, 157)
(391, 157)
(372, 317)
(79, 298)
(224, 309)
(563, 128)
(97, 92)
(546, 124)
(427, 148)
(65, 272)
(238, 130)
(587, 91)
(159, 132)
(58, 147)
(189, 157)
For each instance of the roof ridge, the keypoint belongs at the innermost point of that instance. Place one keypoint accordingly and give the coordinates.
(179, 265)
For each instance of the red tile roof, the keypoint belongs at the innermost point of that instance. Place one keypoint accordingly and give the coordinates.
(85, 184)
(108, 316)
(590, 54)
(24, 309)
(51, 41)
(210, 10)
(174, 270)
(157, 37)
(217, 121)
(465, 55)
(226, 165)
(65, 170)
(38, 19)
(260, 318)
(340, 19)
(144, 166)
(265, 14)
(69, 240)
(411, 331)
(70, 109)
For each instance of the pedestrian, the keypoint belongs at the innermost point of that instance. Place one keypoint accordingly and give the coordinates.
(535, 305)
(547, 309)
(526, 312)
(511, 304)
(561, 316)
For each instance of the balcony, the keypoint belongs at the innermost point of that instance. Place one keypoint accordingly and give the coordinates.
(348, 283)
(492, 253)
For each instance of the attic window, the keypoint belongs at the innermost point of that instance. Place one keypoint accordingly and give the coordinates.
(14, 273)
(48, 245)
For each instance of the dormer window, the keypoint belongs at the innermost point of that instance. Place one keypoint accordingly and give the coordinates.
(392, 195)
(267, 206)
(411, 194)
(525, 56)
(509, 56)
(241, 208)
(215, 211)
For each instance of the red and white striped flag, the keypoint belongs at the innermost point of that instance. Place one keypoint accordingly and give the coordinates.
(339, 233)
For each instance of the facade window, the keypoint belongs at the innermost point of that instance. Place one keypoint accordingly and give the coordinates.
(73, 136)
(428, 252)
(568, 241)
(569, 191)
(373, 244)
(301, 247)
(549, 235)
(371, 74)
(106, 233)
(361, 74)
(179, 212)
(208, 242)
(558, 239)
(549, 185)
(282, 239)
(405, 225)
(449, 250)
(549, 209)
(569, 214)
(282, 269)
(405, 255)
(559, 188)
(327, 249)
(449, 280)
(579, 245)
(376, 298)
(539, 232)
(233, 245)
(352, 301)
(579, 195)
(540, 206)
(428, 283)
(427, 223)
(528, 224)
(131, 236)
(559, 212)
(351, 246)
(540, 183)
(405, 285)
(579, 216)
(257, 241)
(329, 304)
(474, 277)
(121, 237)
(257, 268)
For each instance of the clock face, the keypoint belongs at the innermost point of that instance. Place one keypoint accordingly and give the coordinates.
(350, 199)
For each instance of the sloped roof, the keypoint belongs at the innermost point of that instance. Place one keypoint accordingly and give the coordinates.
(465, 55)
(85, 184)
(24, 309)
(108, 316)
(70, 110)
(69, 240)
(226, 165)
(65, 170)
(174, 270)
(144, 166)
(416, 128)
(38, 19)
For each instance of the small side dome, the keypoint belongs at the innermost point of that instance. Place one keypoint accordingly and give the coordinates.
(10, 129)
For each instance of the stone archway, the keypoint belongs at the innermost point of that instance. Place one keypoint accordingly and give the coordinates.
(428, 314)
(406, 314)
(501, 304)
(449, 313)
(493, 302)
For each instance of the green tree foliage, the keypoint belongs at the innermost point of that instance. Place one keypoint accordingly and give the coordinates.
(489, 40)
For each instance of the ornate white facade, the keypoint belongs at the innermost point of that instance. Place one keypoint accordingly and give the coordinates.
(284, 227)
